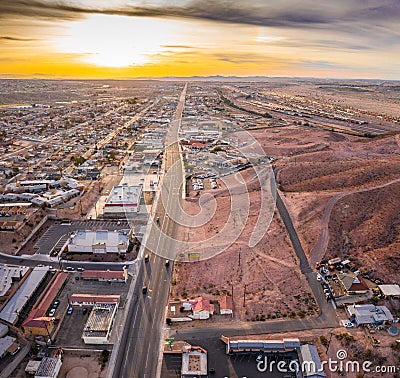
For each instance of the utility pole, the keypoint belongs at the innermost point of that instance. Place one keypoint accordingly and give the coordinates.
(233, 302)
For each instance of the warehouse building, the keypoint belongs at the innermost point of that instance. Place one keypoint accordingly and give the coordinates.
(101, 241)
(19, 300)
(123, 199)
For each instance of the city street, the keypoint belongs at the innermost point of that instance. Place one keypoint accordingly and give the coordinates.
(139, 349)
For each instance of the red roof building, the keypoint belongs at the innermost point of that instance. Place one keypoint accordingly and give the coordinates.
(103, 275)
(202, 308)
(37, 323)
(92, 299)
(226, 305)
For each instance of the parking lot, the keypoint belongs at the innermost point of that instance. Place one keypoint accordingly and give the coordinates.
(58, 234)
(240, 365)
(71, 327)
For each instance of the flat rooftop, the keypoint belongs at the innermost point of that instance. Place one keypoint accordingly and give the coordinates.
(194, 363)
(87, 238)
(9, 274)
(390, 290)
(124, 195)
(17, 302)
(100, 320)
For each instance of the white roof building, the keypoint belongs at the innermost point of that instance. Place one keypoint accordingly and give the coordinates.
(369, 314)
(100, 241)
(18, 301)
(5, 343)
(8, 275)
(310, 362)
(390, 290)
(194, 363)
(123, 199)
(3, 330)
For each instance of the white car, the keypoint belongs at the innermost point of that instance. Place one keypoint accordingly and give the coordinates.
(319, 277)
(349, 325)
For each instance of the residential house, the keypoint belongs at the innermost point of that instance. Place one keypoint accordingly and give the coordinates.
(226, 305)
(369, 314)
(201, 308)
(353, 284)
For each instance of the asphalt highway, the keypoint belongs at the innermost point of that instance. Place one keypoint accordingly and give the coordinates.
(139, 349)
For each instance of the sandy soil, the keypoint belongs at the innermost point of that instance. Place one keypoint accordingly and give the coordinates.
(82, 365)
(364, 225)
(93, 190)
(306, 211)
(268, 272)
(371, 101)
(11, 241)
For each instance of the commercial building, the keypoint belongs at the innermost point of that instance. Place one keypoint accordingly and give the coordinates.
(234, 345)
(49, 367)
(369, 314)
(101, 241)
(93, 299)
(310, 362)
(105, 275)
(307, 354)
(98, 326)
(18, 301)
(194, 363)
(8, 276)
(123, 199)
(37, 323)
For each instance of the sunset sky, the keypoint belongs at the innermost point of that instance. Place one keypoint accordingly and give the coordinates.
(133, 38)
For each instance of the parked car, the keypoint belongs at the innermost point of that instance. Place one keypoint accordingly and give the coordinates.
(80, 269)
(70, 269)
(55, 303)
(52, 312)
(146, 258)
(70, 310)
(349, 325)
(84, 311)
(144, 289)
(167, 263)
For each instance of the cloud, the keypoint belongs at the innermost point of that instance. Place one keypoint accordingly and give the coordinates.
(276, 13)
(246, 58)
(18, 39)
(322, 64)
